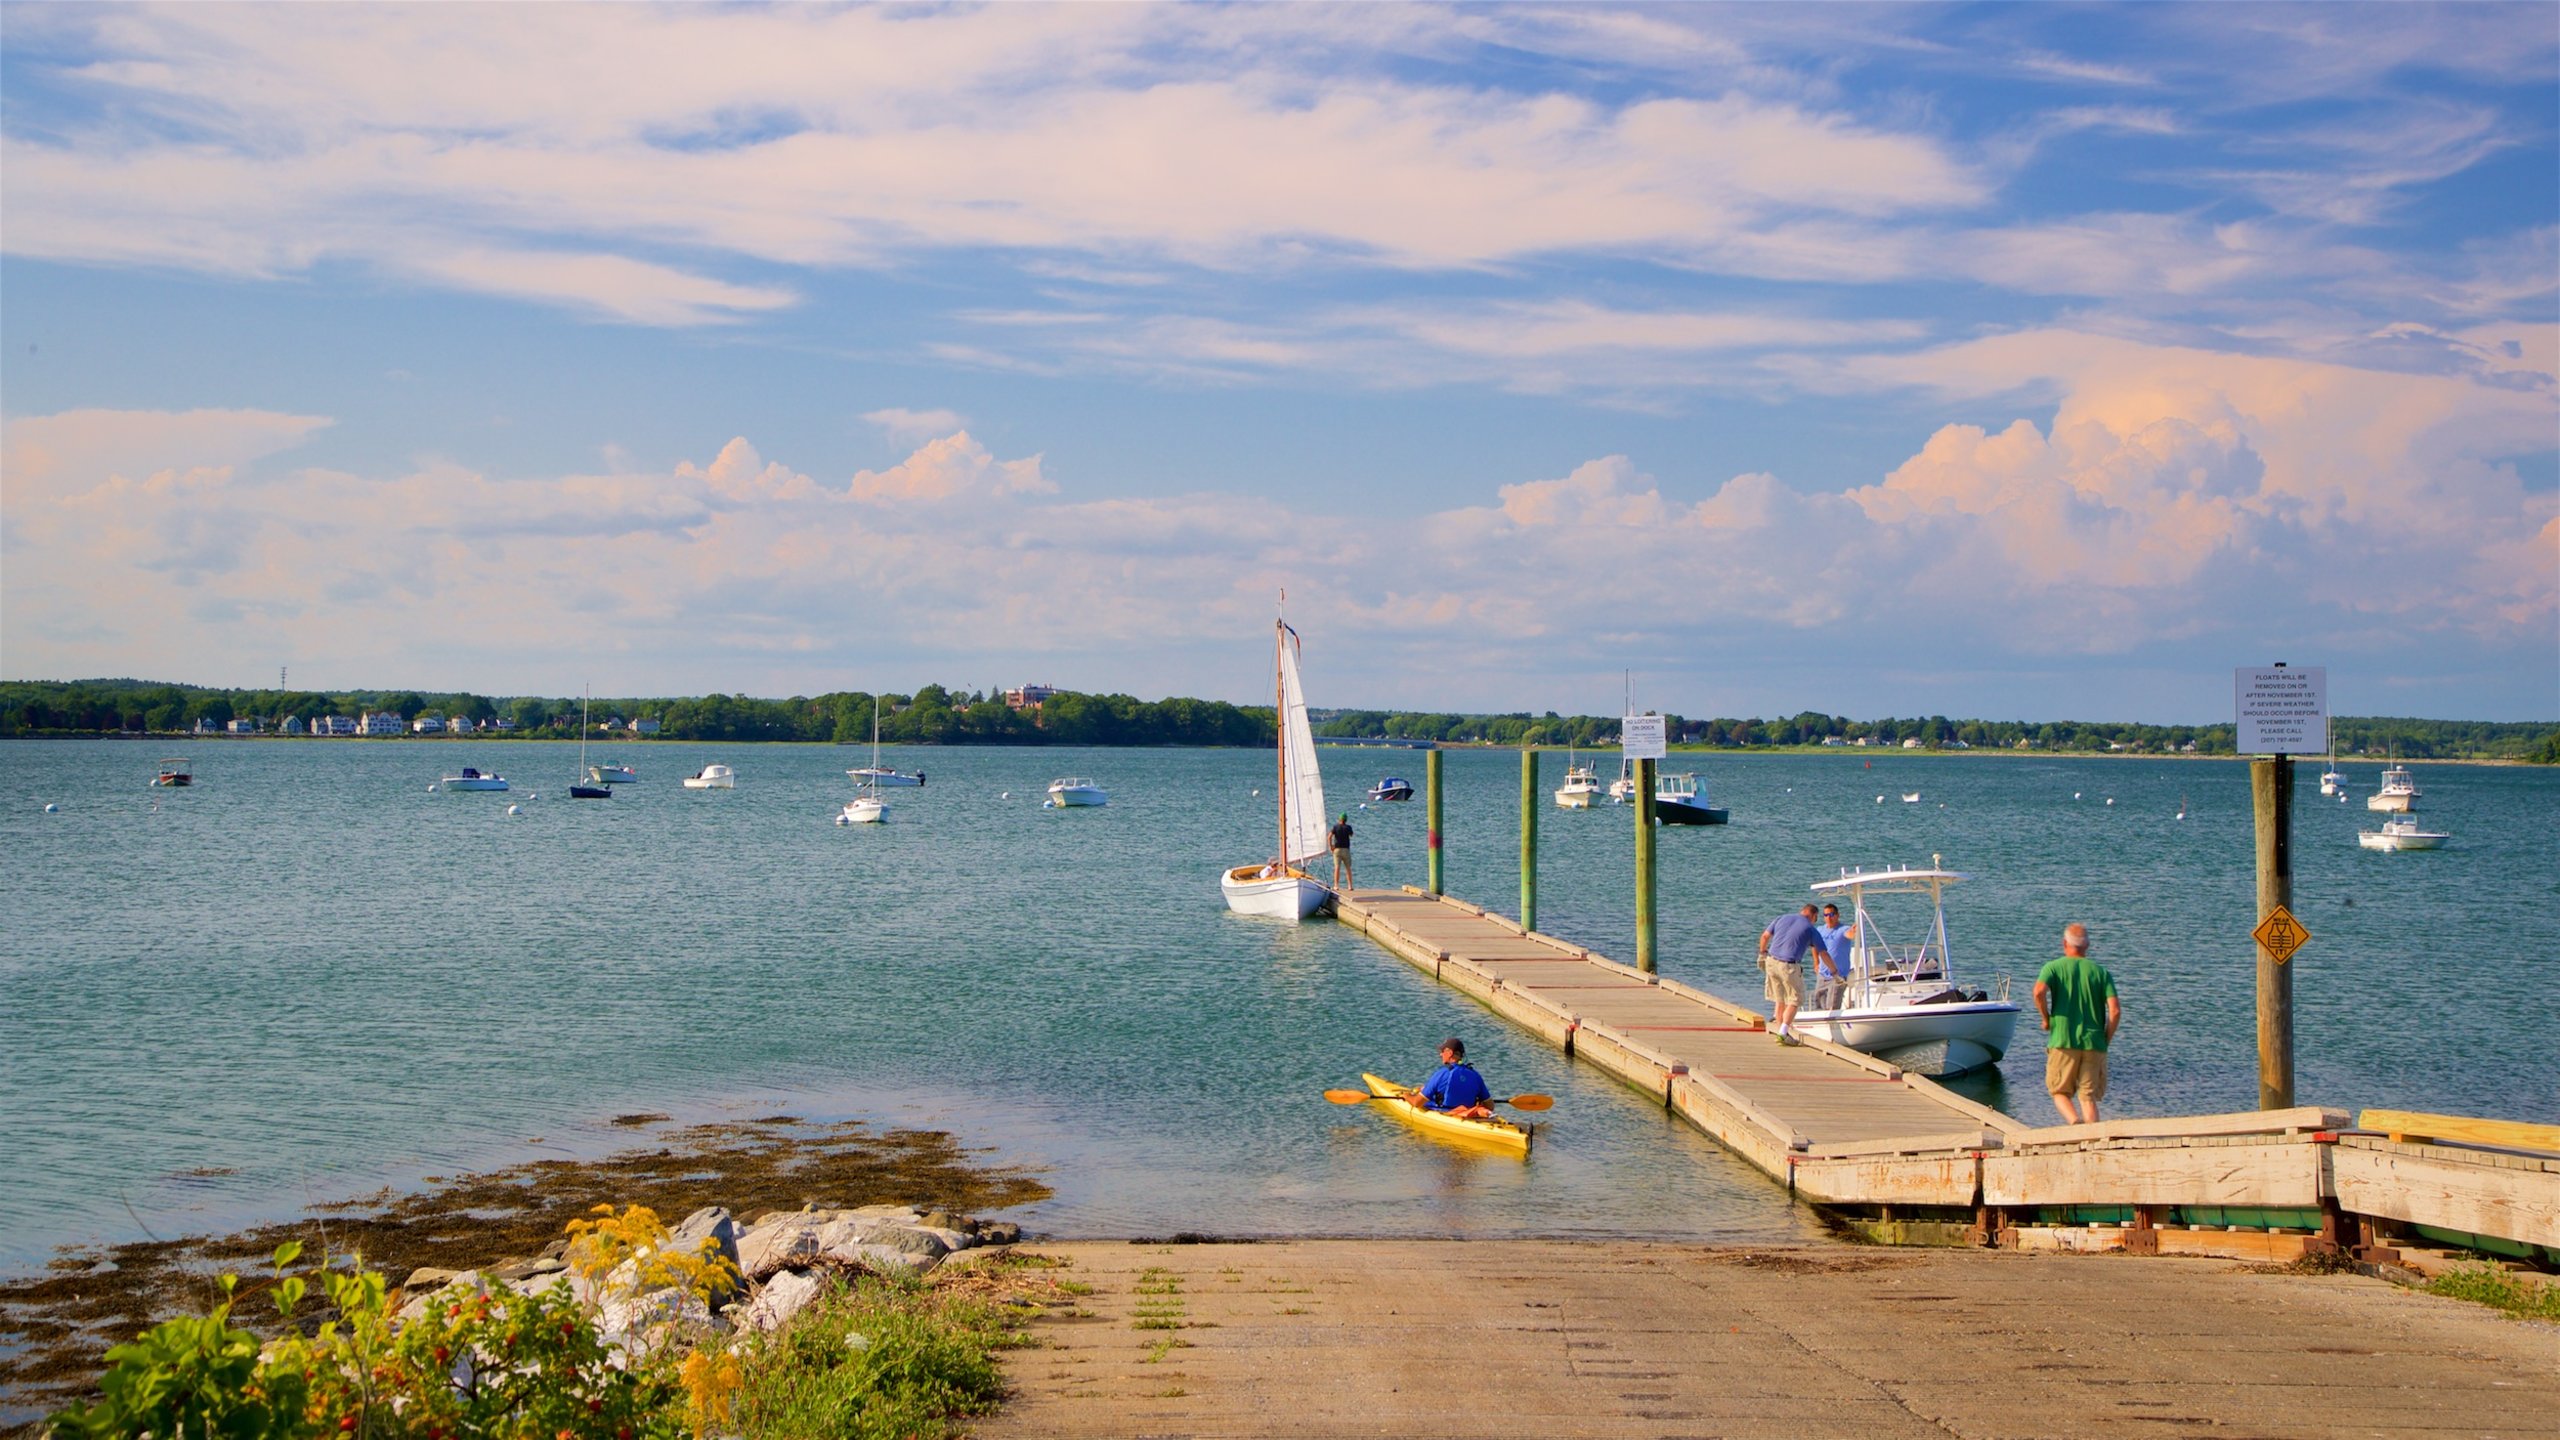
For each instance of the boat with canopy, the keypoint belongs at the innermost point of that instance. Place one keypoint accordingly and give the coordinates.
(1900, 1001)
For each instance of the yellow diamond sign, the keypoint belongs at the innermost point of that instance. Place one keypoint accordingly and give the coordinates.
(2280, 935)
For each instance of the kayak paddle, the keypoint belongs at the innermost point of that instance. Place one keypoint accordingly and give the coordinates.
(1516, 1102)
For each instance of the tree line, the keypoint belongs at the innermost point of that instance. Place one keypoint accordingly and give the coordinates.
(933, 715)
(940, 715)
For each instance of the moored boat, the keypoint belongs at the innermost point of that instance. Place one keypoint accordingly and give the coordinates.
(885, 776)
(1581, 787)
(2399, 792)
(175, 773)
(1495, 1133)
(863, 810)
(471, 779)
(1394, 787)
(1681, 800)
(2402, 835)
(612, 775)
(1070, 791)
(712, 777)
(1900, 1001)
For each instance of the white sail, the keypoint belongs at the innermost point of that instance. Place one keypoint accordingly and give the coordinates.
(1302, 783)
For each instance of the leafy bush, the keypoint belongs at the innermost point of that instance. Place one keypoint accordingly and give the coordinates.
(876, 1360)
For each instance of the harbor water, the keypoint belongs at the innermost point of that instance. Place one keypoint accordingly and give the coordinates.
(310, 975)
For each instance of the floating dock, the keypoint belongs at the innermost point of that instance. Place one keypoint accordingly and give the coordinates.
(1904, 1159)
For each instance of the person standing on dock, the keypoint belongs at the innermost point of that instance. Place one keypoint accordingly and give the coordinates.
(1782, 948)
(1831, 964)
(1342, 852)
(2077, 999)
(1455, 1088)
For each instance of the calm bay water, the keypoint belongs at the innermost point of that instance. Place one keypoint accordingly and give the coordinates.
(308, 977)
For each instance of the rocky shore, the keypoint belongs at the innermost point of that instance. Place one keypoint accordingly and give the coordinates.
(776, 1265)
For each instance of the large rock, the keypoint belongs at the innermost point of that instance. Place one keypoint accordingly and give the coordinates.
(1001, 1232)
(787, 1295)
(459, 1287)
(637, 1321)
(779, 1245)
(712, 1223)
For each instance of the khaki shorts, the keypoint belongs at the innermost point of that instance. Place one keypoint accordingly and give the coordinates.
(2081, 1072)
(1781, 981)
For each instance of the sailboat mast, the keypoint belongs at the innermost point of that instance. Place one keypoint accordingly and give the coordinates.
(1280, 729)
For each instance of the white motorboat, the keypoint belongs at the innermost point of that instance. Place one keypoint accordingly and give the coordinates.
(471, 779)
(612, 775)
(2402, 835)
(1681, 800)
(1277, 887)
(712, 777)
(884, 777)
(2399, 792)
(1074, 790)
(1581, 787)
(1901, 1002)
(1911, 797)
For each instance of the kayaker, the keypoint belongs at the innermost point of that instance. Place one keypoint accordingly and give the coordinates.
(1455, 1088)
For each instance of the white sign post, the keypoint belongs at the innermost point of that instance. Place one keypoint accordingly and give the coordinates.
(1640, 737)
(2281, 711)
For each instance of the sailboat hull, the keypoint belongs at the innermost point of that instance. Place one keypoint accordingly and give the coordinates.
(1282, 897)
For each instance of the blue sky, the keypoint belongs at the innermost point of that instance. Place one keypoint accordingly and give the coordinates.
(2027, 361)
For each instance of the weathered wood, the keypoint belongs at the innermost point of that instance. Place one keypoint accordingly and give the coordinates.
(2271, 795)
(1889, 1180)
(1431, 813)
(2448, 1189)
(1643, 808)
(2165, 1172)
(2512, 1134)
(1907, 1144)
(1529, 809)
(2238, 1122)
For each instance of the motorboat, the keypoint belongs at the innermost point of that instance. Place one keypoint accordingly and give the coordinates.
(1911, 797)
(1581, 787)
(1622, 791)
(612, 775)
(471, 779)
(175, 773)
(885, 777)
(863, 810)
(1900, 1001)
(1394, 787)
(2402, 835)
(1074, 790)
(712, 777)
(1277, 887)
(2399, 792)
(1681, 800)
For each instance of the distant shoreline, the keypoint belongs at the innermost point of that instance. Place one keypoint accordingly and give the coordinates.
(1836, 752)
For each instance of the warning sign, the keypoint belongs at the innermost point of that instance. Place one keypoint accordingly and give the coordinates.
(2280, 935)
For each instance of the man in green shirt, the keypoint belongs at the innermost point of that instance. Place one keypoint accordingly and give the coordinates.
(2076, 998)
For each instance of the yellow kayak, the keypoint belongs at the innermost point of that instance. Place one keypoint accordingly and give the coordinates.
(1496, 1133)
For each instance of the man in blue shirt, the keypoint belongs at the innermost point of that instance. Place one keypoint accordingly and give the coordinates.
(1782, 948)
(1455, 1088)
(1831, 965)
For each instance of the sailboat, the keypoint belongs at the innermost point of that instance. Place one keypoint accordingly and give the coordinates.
(2331, 781)
(868, 808)
(1279, 888)
(593, 788)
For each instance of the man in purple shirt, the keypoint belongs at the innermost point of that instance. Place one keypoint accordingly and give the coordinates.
(1782, 948)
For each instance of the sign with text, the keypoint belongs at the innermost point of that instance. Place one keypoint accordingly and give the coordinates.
(2281, 711)
(1640, 737)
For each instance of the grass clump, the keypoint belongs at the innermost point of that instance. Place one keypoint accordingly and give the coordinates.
(2523, 1298)
(876, 1359)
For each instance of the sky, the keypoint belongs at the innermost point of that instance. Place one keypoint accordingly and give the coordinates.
(2030, 362)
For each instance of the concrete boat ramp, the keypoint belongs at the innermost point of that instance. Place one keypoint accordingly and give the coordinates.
(1906, 1160)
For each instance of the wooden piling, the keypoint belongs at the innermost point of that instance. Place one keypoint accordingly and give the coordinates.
(1643, 807)
(1528, 838)
(1431, 811)
(2271, 795)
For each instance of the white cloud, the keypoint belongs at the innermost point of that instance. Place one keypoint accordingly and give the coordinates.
(914, 426)
(2180, 508)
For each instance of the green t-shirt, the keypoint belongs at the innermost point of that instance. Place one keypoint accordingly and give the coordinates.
(2077, 990)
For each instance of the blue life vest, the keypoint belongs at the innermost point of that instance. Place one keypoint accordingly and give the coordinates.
(1455, 1086)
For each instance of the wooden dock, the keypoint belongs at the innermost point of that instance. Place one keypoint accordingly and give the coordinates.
(1906, 1159)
